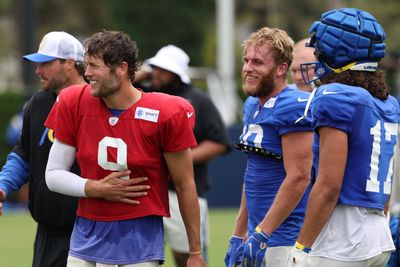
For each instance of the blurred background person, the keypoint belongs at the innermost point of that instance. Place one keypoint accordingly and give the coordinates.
(168, 74)
(301, 54)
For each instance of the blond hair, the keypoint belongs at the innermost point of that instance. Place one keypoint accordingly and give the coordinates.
(276, 39)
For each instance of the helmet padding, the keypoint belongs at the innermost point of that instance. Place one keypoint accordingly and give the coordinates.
(347, 35)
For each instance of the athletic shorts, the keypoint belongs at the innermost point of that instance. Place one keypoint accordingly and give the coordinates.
(174, 228)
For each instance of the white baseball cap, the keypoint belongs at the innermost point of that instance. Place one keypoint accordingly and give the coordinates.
(57, 45)
(173, 59)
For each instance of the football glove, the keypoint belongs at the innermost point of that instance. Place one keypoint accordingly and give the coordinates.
(254, 249)
(234, 254)
(298, 256)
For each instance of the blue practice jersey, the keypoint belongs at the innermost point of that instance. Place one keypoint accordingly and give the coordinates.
(371, 125)
(263, 128)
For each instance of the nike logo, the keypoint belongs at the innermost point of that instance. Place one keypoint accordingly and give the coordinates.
(299, 99)
(189, 114)
(325, 92)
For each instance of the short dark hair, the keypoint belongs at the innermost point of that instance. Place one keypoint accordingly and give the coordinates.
(373, 82)
(79, 66)
(114, 47)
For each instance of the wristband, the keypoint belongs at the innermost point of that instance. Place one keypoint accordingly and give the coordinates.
(195, 252)
(259, 231)
(302, 247)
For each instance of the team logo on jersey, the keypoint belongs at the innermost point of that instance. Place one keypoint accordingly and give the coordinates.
(50, 135)
(270, 103)
(113, 121)
(147, 114)
(326, 92)
(299, 99)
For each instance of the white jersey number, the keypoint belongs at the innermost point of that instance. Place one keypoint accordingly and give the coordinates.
(373, 184)
(121, 147)
(250, 130)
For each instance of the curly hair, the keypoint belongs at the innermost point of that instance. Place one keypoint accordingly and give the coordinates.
(114, 47)
(277, 40)
(373, 82)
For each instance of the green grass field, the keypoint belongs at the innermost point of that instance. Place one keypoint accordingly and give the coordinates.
(17, 231)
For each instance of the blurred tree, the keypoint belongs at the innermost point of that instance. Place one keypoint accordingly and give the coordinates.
(188, 24)
(158, 22)
(79, 18)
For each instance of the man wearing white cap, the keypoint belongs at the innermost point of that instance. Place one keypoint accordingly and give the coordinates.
(60, 64)
(169, 75)
(59, 59)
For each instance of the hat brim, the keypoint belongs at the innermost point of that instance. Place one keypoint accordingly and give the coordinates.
(39, 58)
(169, 66)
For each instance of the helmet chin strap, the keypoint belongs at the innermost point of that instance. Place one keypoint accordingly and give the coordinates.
(315, 88)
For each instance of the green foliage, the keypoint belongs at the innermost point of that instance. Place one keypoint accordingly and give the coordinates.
(79, 18)
(5, 5)
(10, 103)
(156, 23)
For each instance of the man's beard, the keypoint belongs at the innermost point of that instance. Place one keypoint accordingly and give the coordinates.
(57, 83)
(107, 87)
(264, 88)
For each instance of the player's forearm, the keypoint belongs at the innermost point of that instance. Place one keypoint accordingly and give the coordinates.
(58, 177)
(289, 195)
(321, 204)
(325, 192)
(180, 166)
(240, 229)
(190, 211)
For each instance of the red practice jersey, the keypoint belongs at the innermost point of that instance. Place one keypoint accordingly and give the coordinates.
(135, 140)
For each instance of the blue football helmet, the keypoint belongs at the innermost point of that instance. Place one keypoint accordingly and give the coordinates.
(345, 39)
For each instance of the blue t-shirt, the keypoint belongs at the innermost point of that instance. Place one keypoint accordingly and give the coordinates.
(371, 125)
(263, 128)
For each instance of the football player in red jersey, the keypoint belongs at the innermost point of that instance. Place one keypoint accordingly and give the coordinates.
(116, 131)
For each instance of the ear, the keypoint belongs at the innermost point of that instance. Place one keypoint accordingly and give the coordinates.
(122, 69)
(282, 69)
(69, 64)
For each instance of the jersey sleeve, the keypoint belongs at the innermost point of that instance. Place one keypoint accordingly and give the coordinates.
(332, 107)
(177, 129)
(63, 116)
(290, 107)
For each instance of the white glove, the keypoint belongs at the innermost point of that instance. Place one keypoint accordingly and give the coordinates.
(297, 258)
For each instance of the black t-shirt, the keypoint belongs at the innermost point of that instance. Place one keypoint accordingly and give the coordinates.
(208, 126)
(53, 212)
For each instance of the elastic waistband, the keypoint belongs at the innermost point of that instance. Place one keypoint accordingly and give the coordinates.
(374, 211)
